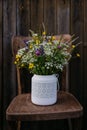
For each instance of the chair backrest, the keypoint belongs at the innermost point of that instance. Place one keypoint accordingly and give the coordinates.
(24, 77)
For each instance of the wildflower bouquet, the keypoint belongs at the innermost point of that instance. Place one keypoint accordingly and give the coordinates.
(45, 55)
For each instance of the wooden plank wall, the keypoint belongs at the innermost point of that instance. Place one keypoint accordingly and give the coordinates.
(59, 16)
(1, 115)
(9, 29)
(78, 67)
(84, 64)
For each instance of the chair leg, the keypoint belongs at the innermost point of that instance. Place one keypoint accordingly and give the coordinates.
(18, 125)
(70, 124)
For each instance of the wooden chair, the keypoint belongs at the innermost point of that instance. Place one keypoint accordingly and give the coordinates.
(22, 109)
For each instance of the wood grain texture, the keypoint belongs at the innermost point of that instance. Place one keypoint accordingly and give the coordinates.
(63, 16)
(9, 29)
(9, 77)
(22, 108)
(36, 14)
(23, 17)
(76, 64)
(85, 23)
(85, 51)
(78, 27)
(84, 62)
(1, 88)
(50, 16)
(84, 97)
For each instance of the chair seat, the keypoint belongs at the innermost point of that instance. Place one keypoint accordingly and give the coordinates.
(21, 108)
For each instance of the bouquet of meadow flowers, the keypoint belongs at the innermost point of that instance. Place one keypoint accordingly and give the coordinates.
(44, 54)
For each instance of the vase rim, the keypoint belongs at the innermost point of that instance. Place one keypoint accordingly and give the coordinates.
(45, 75)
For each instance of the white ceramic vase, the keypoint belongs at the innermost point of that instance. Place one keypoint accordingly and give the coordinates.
(44, 89)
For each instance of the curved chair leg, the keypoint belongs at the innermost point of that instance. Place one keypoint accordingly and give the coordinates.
(70, 124)
(19, 125)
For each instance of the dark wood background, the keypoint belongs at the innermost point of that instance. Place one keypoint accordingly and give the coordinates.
(59, 16)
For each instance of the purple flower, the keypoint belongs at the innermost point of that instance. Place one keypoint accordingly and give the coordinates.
(38, 52)
(59, 46)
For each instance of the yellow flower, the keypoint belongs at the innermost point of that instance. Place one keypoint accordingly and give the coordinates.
(37, 42)
(15, 62)
(22, 65)
(44, 33)
(18, 56)
(78, 55)
(31, 65)
(73, 46)
(17, 59)
(30, 46)
(53, 37)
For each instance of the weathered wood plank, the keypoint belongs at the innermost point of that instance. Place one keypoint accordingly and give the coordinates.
(9, 29)
(77, 70)
(23, 17)
(1, 88)
(85, 23)
(84, 65)
(85, 47)
(85, 78)
(36, 14)
(76, 65)
(63, 16)
(50, 16)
